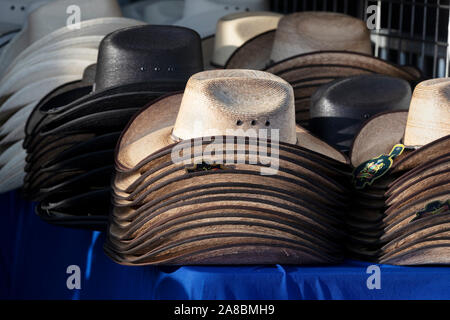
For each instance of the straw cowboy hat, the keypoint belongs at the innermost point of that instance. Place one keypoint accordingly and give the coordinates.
(339, 107)
(300, 33)
(202, 15)
(155, 197)
(71, 137)
(306, 56)
(234, 29)
(412, 180)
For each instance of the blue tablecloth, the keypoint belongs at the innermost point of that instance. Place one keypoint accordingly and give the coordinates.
(35, 257)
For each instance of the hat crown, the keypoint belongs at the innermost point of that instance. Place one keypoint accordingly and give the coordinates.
(305, 32)
(222, 101)
(429, 112)
(148, 53)
(235, 29)
(54, 15)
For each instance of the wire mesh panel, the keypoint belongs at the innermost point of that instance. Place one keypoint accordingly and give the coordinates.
(408, 32)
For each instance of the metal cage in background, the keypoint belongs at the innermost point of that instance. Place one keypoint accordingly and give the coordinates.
(408, 32)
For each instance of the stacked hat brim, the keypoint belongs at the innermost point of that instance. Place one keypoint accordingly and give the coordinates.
(197, 211)
(72, 133)
(402, 217)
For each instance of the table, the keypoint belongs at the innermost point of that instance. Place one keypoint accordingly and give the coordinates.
(35, 257)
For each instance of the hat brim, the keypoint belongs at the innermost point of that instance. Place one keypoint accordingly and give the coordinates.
(71, 183)
(227, 249)
(403, 192)
(240, 216)
(207, 52)
(61, 95)
(398, 221)
(58, 218)
(152, 127)
(73, 100)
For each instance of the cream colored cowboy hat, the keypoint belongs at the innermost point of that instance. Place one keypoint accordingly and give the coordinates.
(155, 11)
(234, 29)
(50, 17)
(300, 33)
(427, 121)
(202, 15)
(173, 118)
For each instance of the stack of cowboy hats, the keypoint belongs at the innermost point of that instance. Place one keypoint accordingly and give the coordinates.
(221, 174)
(402, 181)
(340, 107)
(309, 49)
(46, 54)
(71, 134)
